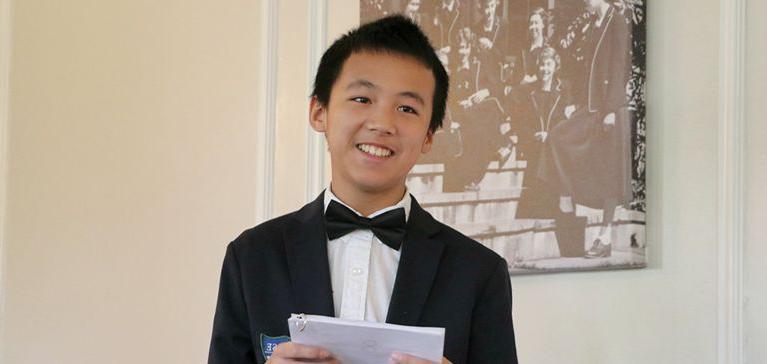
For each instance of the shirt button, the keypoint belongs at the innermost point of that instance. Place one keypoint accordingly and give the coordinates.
(357, 271)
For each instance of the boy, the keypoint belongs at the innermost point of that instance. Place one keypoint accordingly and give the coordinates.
(365, 249)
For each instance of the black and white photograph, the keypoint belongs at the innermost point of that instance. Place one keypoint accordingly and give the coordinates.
(541, 156)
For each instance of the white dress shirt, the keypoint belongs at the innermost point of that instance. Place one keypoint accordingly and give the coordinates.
(363, 269)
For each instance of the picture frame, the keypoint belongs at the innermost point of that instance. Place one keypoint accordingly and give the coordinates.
(541, 156)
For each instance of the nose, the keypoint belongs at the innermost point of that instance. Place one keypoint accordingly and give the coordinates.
(382, 119)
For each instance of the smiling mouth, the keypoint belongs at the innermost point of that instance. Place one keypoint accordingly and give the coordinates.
(375, 151)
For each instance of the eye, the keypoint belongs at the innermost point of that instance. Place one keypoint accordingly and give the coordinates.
(407, 109)
(360, 99)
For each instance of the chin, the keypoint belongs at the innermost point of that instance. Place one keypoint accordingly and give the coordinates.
(373, 184)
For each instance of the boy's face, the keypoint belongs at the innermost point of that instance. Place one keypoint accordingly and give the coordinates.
(593, 5)
(546, 68)
(413, 6)
(377, 120)
(536, 26)
(490, 7)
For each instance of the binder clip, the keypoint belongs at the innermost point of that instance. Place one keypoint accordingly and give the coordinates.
(301, 322)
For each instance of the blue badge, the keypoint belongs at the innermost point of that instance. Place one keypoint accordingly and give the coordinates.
(268, 344)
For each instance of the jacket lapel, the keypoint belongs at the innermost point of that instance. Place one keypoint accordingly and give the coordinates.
(306, 249)
(417, 267)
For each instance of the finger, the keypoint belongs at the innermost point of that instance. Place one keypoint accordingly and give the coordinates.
(402, 358)
(298, 351)
(279, 360)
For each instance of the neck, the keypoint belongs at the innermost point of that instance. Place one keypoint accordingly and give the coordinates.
(547, 84)
(602, 10)
(537, 42)
(367, 202)
(489, 24)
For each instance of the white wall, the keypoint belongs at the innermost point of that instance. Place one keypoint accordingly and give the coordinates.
(755, 269)
(666, 313)
(132, 162)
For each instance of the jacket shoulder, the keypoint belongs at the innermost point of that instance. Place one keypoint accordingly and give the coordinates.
(267, 233)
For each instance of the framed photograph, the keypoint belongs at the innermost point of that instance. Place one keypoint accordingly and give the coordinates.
(542, 152)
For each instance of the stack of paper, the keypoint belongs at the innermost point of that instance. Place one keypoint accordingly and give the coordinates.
(366, 342)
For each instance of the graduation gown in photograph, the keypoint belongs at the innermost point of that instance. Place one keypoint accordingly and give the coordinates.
(586, 159)
(537, 110)
(480, 131)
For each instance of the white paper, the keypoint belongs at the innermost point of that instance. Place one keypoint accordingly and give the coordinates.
(366, 342)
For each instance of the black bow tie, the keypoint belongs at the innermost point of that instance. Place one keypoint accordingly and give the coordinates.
(388, 227)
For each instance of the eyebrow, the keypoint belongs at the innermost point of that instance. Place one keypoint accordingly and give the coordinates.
(369, 85)
(362, 83)
(413, 95)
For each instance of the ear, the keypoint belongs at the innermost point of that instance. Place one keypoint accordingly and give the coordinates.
(318, 115)
(426, 147)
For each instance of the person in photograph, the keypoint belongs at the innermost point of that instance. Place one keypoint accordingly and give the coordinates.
(507, 78)
(493, 84)
(463, 79)
(490, 83)
(540, 107)
(588, 157)
(413, 11)
(478, 115)
(538, 39)
(491, 29)
(373, 9)
(448, 19)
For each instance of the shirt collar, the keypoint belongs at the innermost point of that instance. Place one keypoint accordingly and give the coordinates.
(405, 203)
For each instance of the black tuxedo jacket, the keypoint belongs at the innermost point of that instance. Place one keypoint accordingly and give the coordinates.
(444, 279)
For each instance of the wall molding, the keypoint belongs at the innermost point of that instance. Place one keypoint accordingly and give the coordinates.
(5, 76)
(731, 180)
(315, 142)
(266, 130)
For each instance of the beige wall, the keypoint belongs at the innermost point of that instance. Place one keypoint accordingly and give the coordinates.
(131, 153)
(293, 92)
(132, 163)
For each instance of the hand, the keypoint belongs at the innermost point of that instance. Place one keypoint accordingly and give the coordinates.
(291, 352)
(505, 128)
(504, 151)
(609, 119)
(400, 358)
(541, 136)
(569, 110)
(529, 79)
(442, 55)
(443, 59)
(479, 96)
(485, 43)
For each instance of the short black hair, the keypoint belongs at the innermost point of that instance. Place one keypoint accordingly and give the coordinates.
(394, 34)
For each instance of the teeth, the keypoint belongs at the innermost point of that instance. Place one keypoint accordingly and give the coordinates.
(376, 151)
